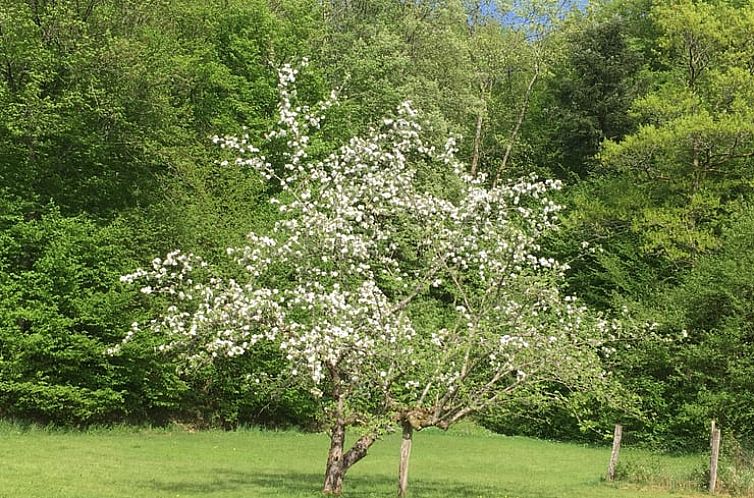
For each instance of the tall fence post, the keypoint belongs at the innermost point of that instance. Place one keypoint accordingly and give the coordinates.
(714, 456)
(617, 436)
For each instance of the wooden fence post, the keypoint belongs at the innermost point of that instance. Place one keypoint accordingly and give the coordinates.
(714, 456)
(617, 436)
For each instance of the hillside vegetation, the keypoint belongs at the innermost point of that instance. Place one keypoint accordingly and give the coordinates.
(643, 108)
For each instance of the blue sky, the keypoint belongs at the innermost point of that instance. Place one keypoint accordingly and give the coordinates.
(509, 18)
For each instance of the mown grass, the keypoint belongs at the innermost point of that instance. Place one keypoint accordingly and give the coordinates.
(250, 463)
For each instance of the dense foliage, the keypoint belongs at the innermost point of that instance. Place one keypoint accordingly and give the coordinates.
(643, 107)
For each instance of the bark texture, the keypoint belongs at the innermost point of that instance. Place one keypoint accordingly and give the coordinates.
(617, 436)
(335, 472)
(406, 442)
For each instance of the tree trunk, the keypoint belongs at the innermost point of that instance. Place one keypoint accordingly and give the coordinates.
(514, 133)
(408, 434)
(335, 471)
(358, 451)
(477, 144)
(617, 436)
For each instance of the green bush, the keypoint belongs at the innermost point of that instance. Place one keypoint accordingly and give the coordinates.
(62, 305)
(60, 404)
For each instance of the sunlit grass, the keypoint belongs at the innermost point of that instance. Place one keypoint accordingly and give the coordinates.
(466, 463)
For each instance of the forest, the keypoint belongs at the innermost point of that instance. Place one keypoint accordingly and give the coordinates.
(112, 118)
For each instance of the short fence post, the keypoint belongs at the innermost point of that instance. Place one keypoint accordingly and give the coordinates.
(714, 456)
(617, 436)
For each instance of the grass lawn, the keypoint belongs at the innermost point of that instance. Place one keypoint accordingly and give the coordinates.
(465, 463)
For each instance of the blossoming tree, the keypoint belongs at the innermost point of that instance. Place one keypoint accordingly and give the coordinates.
(364, 242)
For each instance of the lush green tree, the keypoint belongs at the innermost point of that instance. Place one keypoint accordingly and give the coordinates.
(106, 110)
(656, 209)
(692, 152)
(708, 375)
(587, 96)
(57, 312)
(513, 48)
(657, 200)
(381, 52)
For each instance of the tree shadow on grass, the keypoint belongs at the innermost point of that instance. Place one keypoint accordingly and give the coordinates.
(308, 484)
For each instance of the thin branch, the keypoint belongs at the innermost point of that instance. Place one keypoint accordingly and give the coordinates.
(519, 122)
